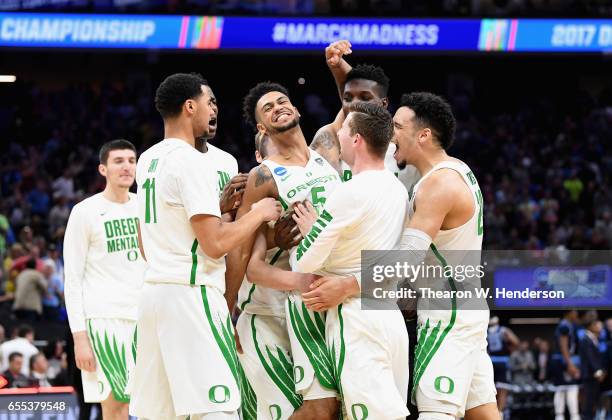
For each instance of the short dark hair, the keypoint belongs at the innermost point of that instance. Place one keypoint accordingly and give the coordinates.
(370, 72)
(432, 111)
(24, 330)
(175, 90)
(117, 144)
(14, 355)
(374, 123)
(249, 102)
(33, 360)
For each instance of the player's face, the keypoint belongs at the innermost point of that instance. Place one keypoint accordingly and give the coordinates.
(212, 104)
(405, 136)
(361, 90)
(347, 153)
(201, 113)
(120, 168)
(275, 113)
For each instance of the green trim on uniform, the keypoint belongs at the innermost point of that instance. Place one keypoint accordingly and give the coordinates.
(428, 345)
(311, 336)
(283, 203)
(339, 365)
(194, 262)
(225, 340)
(281, 371)
(111, 357)
(252, 289)
(134, 344)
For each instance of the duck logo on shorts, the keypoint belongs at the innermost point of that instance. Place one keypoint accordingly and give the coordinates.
(275, 412)
(319, 161)
(298, 374)
(359, 411)
(280, 171)
(219, 394)
(444, 384)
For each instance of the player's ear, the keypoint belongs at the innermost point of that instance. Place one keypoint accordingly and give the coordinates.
(260, 127)
(190, 106)
(102, 170)
(385, 102)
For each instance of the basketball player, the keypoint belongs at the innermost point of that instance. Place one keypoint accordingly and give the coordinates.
(231, 183)
(501, 341)
(367, 213)
(453, 374)
(187, 365)
(293, 174)
(104, 270)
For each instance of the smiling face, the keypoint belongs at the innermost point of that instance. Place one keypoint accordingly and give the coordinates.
(120, 168)
(275, 113)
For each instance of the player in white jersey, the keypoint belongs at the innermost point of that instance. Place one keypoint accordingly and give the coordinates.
(104, 272)
(186, 365)
(366, 213)
(453, 375)
(293, 174)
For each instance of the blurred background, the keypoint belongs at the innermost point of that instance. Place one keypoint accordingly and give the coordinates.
(533, 100)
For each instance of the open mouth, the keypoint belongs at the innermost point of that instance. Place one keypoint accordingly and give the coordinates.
(212, 123)
(282, 116)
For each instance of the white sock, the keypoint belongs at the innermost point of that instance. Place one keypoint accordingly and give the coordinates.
(572, 403)
(559, 401)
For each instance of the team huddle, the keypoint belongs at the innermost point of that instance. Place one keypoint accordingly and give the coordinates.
(153, 278)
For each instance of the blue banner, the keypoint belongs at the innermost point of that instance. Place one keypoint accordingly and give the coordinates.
(216, 32)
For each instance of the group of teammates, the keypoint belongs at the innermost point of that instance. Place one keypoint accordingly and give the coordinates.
(306, 350)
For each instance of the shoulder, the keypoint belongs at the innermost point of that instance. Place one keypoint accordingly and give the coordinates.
(442, 185)
(260, 175)
(83, 206)
(325, 139)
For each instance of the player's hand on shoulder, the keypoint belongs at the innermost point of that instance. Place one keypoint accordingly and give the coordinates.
(304, 216)
(268, 208)
(83, 353)
(232, 193)
(286, 233)
(335, 51)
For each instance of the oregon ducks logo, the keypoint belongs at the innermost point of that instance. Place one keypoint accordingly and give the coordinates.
(132, 255)
(275, 412)
(444, 384)
(298, 374)
(359, 412)
(219, 394)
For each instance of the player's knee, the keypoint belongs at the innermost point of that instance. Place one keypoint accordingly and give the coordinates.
(435, 416)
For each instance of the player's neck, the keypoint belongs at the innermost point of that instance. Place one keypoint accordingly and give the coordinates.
(427, 161)
(175, 130)
(291, 146)
(201, 144)
(367, 163)
(116, 194)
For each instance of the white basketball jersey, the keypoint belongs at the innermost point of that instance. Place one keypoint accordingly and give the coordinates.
(455, 247)
(313, 182)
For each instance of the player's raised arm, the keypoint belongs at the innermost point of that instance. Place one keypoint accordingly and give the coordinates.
(259, 186)
(334, 56)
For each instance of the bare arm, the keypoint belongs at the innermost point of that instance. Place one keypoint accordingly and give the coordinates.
(338, 65)
(261, 273)
(260, 184)
(326, 143)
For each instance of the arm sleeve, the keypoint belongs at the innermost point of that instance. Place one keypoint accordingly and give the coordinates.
(313, 250)
(76, 246)
(196, 183)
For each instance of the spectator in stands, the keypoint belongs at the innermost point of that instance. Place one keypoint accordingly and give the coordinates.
(22, 344)
(54, 353)
(522, 364)
(14, 374)
(2, 334)
(30, 288)
(16, 251)
(39, 371)
(26, 238)
(542, 361)
(53, 254)
(592, 368)
(53, 298)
